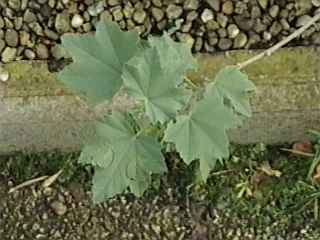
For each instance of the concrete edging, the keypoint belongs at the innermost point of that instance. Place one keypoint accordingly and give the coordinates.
(38, 114)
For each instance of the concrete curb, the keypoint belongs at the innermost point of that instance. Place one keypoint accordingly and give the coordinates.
(38, 114)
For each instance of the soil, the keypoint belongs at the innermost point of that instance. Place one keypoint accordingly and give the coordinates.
(177, 210)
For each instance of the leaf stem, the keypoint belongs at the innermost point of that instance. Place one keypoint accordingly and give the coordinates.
(280, 44)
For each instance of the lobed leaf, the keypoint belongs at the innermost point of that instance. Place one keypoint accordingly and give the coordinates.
(146, 80)
(135, 157)
(202, 133)
(98, 61)
(234, 85)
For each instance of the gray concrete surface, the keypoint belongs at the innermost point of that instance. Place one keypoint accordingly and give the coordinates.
(38, 114)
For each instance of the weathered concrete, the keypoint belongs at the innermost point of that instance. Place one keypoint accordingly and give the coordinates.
(37, 113)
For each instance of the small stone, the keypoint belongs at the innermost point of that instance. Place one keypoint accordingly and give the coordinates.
(42, 51)
(316, 3)
(173, 11)
(157, 3)
(2, 45)
(255, 12)
(14, 4)
(267, 36)
(29, 16)
(186, 38)
(222, 33)
(24, 38)
(191, 4)
(240, 41)
(58, 52)
(213, 38)
(4, 75)
(224, 43)
(157, 13)
(212, 25)
(96, 9)
(214, 4)
(316, 38)
(228, 8)
(301, 21)
(192, 16)
(11, 38)
(284, 23)
(36, 27)
(117, 13)
(233, 30)
(139, 16)
(77, 21)
(259, 26)
(106, 16)
(243, 23)
(62, 23)
(8, 54)
(59, 208)
(274, 11)
(303, 7)
(1, 22)
(29, 54)
(207, 15)
(128, 11)
(51, 34)
(263, 3)
(275, 28)
(113, 2)
(222, 20)
(198, 44)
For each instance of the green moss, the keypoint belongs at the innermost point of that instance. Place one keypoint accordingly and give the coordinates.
(31, 78)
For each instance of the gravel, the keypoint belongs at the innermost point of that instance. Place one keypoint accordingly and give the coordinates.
(24, 25)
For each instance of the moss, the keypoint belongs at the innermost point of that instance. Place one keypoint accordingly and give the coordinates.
(31, 78)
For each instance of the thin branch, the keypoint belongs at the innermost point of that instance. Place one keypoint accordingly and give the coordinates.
(27, 183)
(280, 44)
(298, 152)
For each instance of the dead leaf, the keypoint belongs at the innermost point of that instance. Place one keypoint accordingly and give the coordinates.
(266, 168)
(317, 174)
(305, 147)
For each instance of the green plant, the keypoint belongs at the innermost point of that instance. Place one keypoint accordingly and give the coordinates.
(172, 112)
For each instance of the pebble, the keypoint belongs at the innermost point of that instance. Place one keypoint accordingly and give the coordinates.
(214, 4)
(233, 30)
(77, 21)
(157, 13)
(263, 3)
(274, 11)
(173, 11)
(191, 4)
(240, 41)
(316, 3)
(62, 22)
(228, 8)
(58, 208)
(207, 15)
(301, 21)
(29, 54)
(11, 38)
(224, 44)
(4, 75)
(139, 16)
(8, 54)
(42, 51)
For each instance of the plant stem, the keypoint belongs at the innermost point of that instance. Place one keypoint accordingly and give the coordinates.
(280, 44)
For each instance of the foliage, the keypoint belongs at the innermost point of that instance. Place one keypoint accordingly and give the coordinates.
(128, 147)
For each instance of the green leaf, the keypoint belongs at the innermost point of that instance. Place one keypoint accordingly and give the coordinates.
(232, 84)
(202, 133)
(147, 81)
(96, 153)
(174, 57)
(135, 157)
(98, 61)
